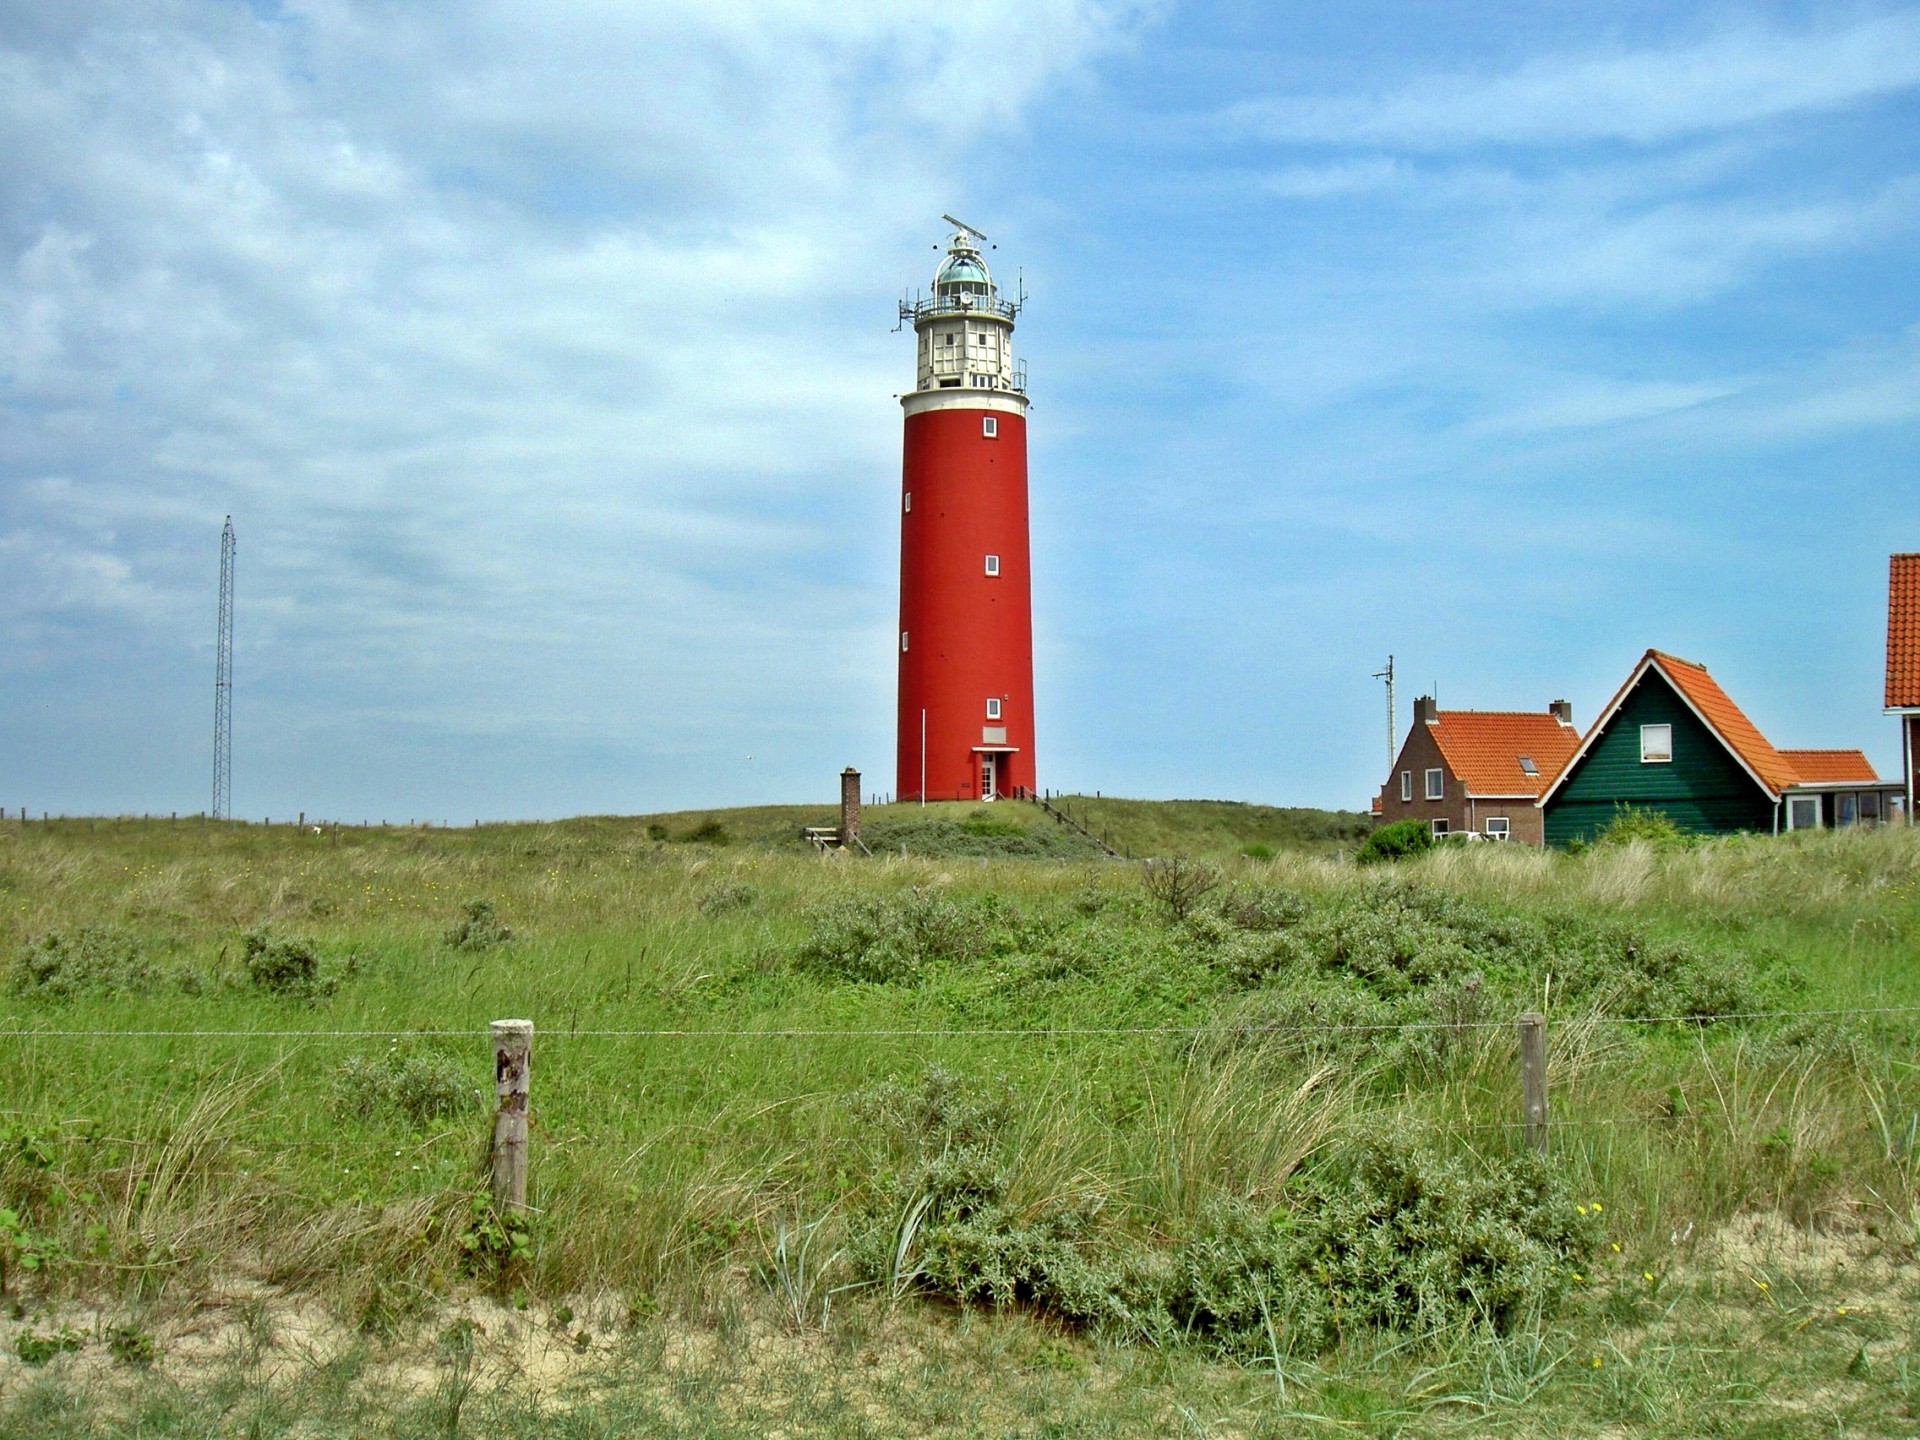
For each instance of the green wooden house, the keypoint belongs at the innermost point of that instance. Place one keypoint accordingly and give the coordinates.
(1671, 740)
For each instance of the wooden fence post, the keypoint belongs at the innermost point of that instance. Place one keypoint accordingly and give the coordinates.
(1533, 1078)
(512, 1050)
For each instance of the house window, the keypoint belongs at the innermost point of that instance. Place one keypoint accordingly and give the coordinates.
(1656, 744)
(989, 426)
(1496, 827)
(993, 564)
(993, 708)
(1439, 828)
(1869, 807)
(1844, 813)
(903, 642)
(906, 503)
(1803, 812)
(1527, 767)
(1436, 784)
(1406, 785)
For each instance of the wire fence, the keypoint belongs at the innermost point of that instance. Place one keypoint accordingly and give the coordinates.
(911, 1032)
(713, 1132)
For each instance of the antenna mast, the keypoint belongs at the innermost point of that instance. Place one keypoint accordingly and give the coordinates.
(1393, 721)
(223, 684)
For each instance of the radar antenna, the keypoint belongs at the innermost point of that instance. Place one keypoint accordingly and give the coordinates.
(960, 224)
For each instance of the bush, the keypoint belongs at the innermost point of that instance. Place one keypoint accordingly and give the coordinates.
(1631, 823)
(1386, 1234)
(479, 928)
(938, 837)
(133, 1345)
(84, 962)
(708, 832)
(725, 899)
(35, 1348)
(1177, 883)
(895, 939)
(421, 1088)
(285, 966)
(1395, 842)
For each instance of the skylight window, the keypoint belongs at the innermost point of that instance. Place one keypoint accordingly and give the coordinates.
(1527, 767)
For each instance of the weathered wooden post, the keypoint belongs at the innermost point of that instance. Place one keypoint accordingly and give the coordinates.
(850, 808)
(512, 1051)
(1533, 1078)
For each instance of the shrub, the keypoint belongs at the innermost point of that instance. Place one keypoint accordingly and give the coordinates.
(1177, 883)
(725, 899)
(87, 961)
(35, 1348)
(897, 938)
(285, 966)
(422, 1088)
(479, 928)
(1386, 1234)
(942, 838)
(132, 1345)
(1632, 822)
(1395, 842)
(708, 832)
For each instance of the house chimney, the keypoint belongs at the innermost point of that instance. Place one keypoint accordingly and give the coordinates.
(849, 807)
(1562, 710)
(1426, 711)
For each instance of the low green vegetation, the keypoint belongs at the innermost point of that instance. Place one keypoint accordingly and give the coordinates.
(1238, 1137)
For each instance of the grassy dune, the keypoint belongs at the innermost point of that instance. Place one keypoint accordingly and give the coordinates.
(717, 1207)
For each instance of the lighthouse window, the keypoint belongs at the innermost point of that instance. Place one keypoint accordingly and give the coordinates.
(993, 709)
(906, 502)
(990, 426)
(993, 564)
(903, 642)
(949, 338)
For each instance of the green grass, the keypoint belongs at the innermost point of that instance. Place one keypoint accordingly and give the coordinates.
(674, 1174)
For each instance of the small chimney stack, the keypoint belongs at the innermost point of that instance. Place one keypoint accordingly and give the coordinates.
(1562, 710)
(849, 807)
(1426, 711)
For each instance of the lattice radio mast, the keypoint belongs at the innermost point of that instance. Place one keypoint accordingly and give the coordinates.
(1393, 723)
(223, 684)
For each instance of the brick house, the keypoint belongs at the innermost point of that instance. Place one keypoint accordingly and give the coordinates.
(1477, 771)
(1903, 664)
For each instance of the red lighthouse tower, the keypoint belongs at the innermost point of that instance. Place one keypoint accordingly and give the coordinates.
(966, 612)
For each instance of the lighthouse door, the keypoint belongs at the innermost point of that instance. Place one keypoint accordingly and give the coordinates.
(989, 776)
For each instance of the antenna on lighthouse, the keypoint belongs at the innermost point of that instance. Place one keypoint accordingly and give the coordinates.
(1393, 724)
(959, 224)
(223, 683)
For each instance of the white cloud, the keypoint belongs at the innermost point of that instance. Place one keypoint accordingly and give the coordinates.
(495, 326)
(1729, 80)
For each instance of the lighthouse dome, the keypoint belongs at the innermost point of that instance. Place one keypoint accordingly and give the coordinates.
(962, 271)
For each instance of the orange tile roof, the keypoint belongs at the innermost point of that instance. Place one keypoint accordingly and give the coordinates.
(1903, 632)
(1483, 748)
(1740, 734)
(1818, 767)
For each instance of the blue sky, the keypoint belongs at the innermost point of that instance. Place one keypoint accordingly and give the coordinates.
(543, 357)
